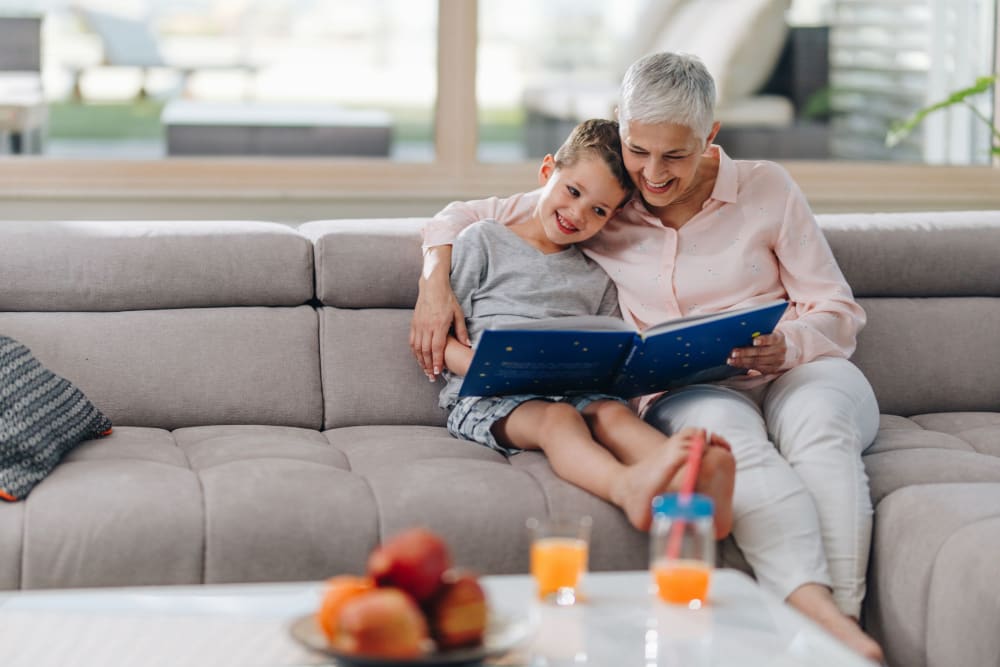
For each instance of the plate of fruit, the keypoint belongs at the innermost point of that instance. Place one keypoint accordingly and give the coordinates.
(410, 608)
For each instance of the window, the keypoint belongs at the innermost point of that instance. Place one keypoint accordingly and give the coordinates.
(446, 99)
(822, 81)
(150, 79)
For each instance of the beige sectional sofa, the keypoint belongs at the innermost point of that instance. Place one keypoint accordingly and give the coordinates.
(271, 424)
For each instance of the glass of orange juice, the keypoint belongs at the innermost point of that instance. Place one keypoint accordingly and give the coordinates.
(559, 546)
(682, 548)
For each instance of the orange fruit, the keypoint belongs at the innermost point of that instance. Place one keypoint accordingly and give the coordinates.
(339, 590)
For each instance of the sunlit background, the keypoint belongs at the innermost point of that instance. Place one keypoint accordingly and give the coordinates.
(806, 79)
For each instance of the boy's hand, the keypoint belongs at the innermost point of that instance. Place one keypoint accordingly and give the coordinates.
(765, 356)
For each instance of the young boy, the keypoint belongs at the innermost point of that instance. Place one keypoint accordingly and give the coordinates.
(532, 269)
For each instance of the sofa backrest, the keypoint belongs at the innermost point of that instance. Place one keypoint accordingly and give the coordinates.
(929, 282)
(172, 324)
(169, 324)
(366, 284)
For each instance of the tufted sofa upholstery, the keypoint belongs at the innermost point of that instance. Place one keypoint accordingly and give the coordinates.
(270, 423)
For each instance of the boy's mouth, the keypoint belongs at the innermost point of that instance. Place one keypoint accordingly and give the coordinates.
(564, 225)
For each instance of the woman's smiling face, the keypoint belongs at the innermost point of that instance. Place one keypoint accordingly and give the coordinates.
(662, 160)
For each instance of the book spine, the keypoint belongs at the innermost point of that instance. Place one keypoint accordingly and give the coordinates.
(616, 381)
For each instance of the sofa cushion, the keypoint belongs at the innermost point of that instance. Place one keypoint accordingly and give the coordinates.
(416, 475)
(346, 251)
(916, 254)
(185, 367)
(930, 598)
(132, 265)
(263, 503)
(369, 373)
(42, 416)
(931, 354)
(933, 448)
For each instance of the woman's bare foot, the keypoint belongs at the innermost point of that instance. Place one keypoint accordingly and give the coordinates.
(642, 481)
(816, 602)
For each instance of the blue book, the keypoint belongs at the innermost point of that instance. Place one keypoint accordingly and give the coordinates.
(569, 355)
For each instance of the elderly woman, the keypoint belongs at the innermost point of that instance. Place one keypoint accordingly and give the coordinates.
(705, 233)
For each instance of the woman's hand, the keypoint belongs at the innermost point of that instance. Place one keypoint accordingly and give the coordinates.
(765, 356)
(436, 312)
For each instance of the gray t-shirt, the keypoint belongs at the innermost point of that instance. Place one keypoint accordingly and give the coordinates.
(499, 278)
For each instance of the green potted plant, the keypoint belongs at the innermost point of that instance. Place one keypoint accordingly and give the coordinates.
(899, 129)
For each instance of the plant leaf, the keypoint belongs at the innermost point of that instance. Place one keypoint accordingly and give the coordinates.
(898, 130)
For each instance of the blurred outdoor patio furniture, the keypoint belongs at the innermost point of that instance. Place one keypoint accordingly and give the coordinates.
(23, 113)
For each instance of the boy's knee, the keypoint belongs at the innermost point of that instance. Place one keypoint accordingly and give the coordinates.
(608, 411)
(556, 414)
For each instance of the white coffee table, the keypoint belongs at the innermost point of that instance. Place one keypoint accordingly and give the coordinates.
(247, 625)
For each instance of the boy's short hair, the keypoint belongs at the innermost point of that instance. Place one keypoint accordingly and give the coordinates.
(596, 137)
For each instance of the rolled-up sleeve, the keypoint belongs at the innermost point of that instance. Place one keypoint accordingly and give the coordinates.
(824, 318)
(444, 227)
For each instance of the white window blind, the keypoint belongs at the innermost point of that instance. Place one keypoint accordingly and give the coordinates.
(888, 58)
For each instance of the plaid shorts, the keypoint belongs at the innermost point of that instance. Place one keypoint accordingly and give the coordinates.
(472, 417)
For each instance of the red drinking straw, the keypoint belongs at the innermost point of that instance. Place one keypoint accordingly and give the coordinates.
(687, 488)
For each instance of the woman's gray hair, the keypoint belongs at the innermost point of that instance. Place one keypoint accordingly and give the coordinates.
(668, 88)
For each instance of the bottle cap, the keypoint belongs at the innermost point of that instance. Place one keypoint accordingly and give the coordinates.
(676, 506)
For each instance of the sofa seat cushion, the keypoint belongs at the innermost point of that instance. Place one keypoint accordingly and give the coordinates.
(235, 503)
(931, 601)
(951, 447)
(424, 475)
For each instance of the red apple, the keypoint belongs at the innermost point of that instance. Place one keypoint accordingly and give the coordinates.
(384, 622)
(413, 560)
(457, 614)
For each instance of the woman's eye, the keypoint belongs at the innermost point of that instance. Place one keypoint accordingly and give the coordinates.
(600, 211)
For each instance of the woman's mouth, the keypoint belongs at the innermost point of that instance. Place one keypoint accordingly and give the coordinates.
(657, 188)
(564, 225)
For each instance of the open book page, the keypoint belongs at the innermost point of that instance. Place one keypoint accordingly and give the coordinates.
(695, 352)
(569, 355)
(570, 323)
(683, 322)
(546, 362)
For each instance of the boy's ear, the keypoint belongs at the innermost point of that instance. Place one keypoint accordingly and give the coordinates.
(546, 170)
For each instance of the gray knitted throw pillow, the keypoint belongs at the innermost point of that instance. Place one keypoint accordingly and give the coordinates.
(42, 416)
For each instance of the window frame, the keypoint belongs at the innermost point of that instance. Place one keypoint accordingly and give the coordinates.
(303, 188)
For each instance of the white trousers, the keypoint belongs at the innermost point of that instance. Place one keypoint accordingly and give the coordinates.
(802, 512)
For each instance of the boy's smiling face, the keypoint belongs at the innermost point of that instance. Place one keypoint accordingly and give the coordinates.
(577, 200)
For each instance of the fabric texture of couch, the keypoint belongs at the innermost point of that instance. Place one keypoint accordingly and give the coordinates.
(271, 424)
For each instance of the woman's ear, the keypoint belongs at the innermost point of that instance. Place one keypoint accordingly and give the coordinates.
(547, 169)
(711, 135)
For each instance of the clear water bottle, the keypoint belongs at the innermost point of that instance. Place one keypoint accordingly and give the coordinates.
(682, 548)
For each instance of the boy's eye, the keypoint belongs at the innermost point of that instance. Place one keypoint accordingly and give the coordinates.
(573, 191)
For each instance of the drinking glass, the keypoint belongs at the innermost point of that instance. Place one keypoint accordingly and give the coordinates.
(559, 547)
(682, 547)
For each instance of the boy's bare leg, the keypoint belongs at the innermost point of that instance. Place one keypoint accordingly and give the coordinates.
(560, 431)
(816, 601)
(632, 440)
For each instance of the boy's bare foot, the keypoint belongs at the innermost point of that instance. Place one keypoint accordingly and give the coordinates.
(642, 481)
(816, 602)
(716, 479)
